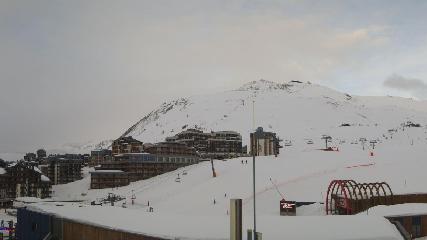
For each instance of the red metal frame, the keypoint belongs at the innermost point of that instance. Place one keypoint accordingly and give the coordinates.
(350, 189)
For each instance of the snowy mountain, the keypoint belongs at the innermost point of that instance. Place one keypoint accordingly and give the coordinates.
(295, 110)
(301, 172)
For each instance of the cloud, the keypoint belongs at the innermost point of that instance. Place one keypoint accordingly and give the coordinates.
(112, 62)
(414, 86)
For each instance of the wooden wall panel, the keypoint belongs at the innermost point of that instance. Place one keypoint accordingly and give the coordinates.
(77, 231)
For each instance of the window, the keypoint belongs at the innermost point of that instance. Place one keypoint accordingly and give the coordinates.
(34, 226)
(416, 226)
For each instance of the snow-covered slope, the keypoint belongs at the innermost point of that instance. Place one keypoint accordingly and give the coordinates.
(294, 110)
(300, 172)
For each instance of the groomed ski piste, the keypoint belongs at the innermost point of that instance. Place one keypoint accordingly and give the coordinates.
(197, 206)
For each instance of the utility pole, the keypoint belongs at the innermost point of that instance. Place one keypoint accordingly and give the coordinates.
(255, 145)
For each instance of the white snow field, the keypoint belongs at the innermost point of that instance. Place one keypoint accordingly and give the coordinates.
(301, 173)
(297, 112)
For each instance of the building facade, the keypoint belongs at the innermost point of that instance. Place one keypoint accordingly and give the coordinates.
(221, 144)
(224, 144)
(24, 180)
(171, 149)
(4, 185)
(108, 179)
(139, 166)
(61, 170)
(126, 145)
(98, 156)
(264, 143)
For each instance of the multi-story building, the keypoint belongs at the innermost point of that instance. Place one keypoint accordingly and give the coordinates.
(171, 149)
(4, 185)
(24, 180)
(98, 156)
(264, 143)
(126, 145)
(145, 165)
(192, 138)
(159, 158)
(108, 179)
(62, 170)
(222, 144)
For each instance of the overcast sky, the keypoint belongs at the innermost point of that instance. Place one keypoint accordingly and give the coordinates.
(73, 71)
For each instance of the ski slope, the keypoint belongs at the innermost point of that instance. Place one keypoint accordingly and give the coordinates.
(301, 173)
(197, 206)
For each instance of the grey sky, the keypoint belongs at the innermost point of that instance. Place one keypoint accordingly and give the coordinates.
(416, 87)
(72, 71)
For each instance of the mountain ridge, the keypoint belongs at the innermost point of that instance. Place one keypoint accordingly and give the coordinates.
(291, 103)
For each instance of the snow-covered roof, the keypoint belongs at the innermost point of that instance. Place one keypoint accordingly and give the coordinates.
(217, 227)
(12, 165)
(407, 209)
(37, 170)
(44, 178)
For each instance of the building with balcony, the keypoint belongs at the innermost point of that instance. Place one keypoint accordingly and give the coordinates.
(126, 145)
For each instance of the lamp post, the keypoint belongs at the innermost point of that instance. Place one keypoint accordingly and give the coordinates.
(254, 148)
(255, 145)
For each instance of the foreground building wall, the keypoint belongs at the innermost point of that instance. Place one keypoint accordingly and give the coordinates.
(33, 225)
(415, 225)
